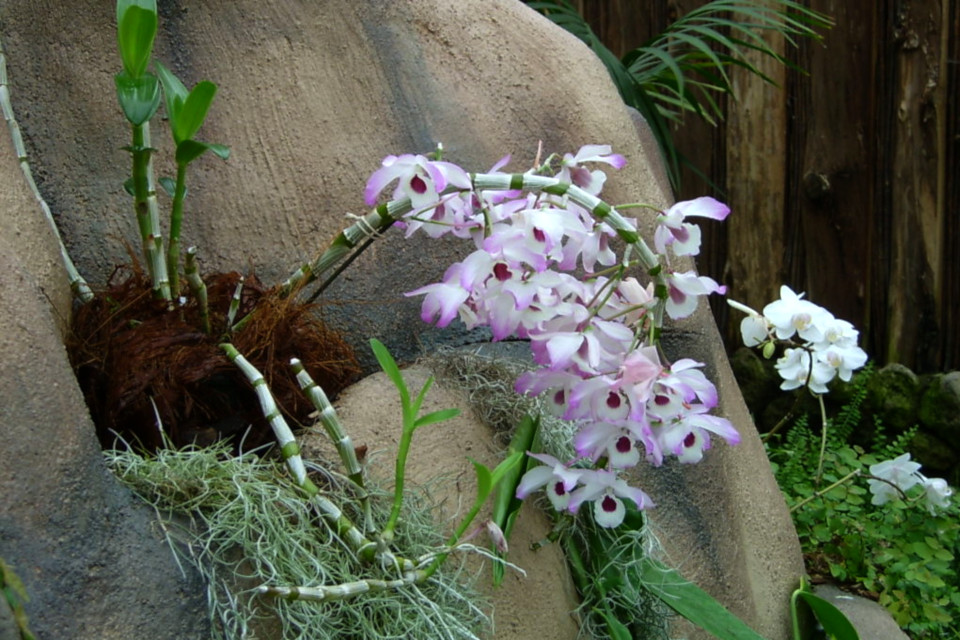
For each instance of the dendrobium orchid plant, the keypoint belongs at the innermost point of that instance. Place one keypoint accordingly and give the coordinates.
(594, 333)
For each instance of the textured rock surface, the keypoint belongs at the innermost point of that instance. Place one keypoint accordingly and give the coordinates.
(312, 96)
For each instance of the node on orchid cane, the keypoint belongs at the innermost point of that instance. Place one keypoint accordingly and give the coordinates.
(544, 269)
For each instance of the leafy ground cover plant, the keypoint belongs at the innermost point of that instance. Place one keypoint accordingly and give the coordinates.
(894, 537)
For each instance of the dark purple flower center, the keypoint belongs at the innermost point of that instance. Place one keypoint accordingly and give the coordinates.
(624, 444)
(418, 184)
(559, 489)
(501, 272)
(661, 401)
(559, 398)
(689, 440)
(613, 400)
(539, 235)
(608, 504)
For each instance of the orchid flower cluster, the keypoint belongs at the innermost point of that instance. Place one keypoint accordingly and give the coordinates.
(594, 335)
(822, 347)
(900, 475)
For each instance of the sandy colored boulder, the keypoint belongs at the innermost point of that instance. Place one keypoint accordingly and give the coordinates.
(312, 96)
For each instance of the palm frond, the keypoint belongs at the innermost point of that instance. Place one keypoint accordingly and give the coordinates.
(685, 68)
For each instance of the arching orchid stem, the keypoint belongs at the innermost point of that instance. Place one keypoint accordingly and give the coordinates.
(78, 285)
(821, 492)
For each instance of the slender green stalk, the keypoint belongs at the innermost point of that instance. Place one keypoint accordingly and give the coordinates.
(234, 306)
(331, 423)
(819, 492)
(197, 287)
(176, 222)
(78, 285)
(145, 206)
(823, 434)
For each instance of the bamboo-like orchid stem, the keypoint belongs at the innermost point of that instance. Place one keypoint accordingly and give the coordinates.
(383, 216)
(366, 549)
(234, 305)
(197, 287)
(289, 448)
(78, 285)
(368, 226)
(176, 222)
(145, 206)
(331, 422)
(345, 590)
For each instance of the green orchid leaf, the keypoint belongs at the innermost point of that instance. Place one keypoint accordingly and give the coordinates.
(169, 186)
(418, 402)
(834, 623)
(484, 480)
(174, 93)
(123, 5)
(693, 603)
(222, 151)
(139, 97)
(389, 366)
(506, 505)
(194, 111)
(616, 629)
(506, 466)
(135, 34)
(435, 417)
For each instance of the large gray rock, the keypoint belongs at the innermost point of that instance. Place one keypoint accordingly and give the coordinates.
(313, 95)
(88, 553)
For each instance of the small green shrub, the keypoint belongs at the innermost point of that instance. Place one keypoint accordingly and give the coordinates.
(899, 552)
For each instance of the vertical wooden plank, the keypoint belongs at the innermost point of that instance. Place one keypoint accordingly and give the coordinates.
(950, 283)
(756, 159)
(916, 201)
(830, 227)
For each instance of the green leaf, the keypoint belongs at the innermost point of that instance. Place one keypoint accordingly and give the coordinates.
(194, 111)
(174, 93)
(169, 185)
(389, 366)
(506, 506)
(616, 629)
(123, 5)
(222, 151)
(128, 186)
(135, 34)
(693, 603)
(190, 150)
(139, 97)
(834, 623)
(506, 465)
(484, 480)
(435, 417)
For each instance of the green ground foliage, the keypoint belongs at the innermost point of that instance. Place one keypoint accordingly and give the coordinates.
(899, 552)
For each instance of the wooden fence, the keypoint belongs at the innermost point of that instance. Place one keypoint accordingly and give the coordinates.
(844, 183)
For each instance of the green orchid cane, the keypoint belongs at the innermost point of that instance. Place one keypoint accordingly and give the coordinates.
(357, 236)
(139, 95)
(186, 111)
(78, 285)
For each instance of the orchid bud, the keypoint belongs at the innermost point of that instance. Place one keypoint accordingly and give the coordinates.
(768, 349)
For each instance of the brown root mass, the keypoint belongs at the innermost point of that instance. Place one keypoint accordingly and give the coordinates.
(132, 353)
